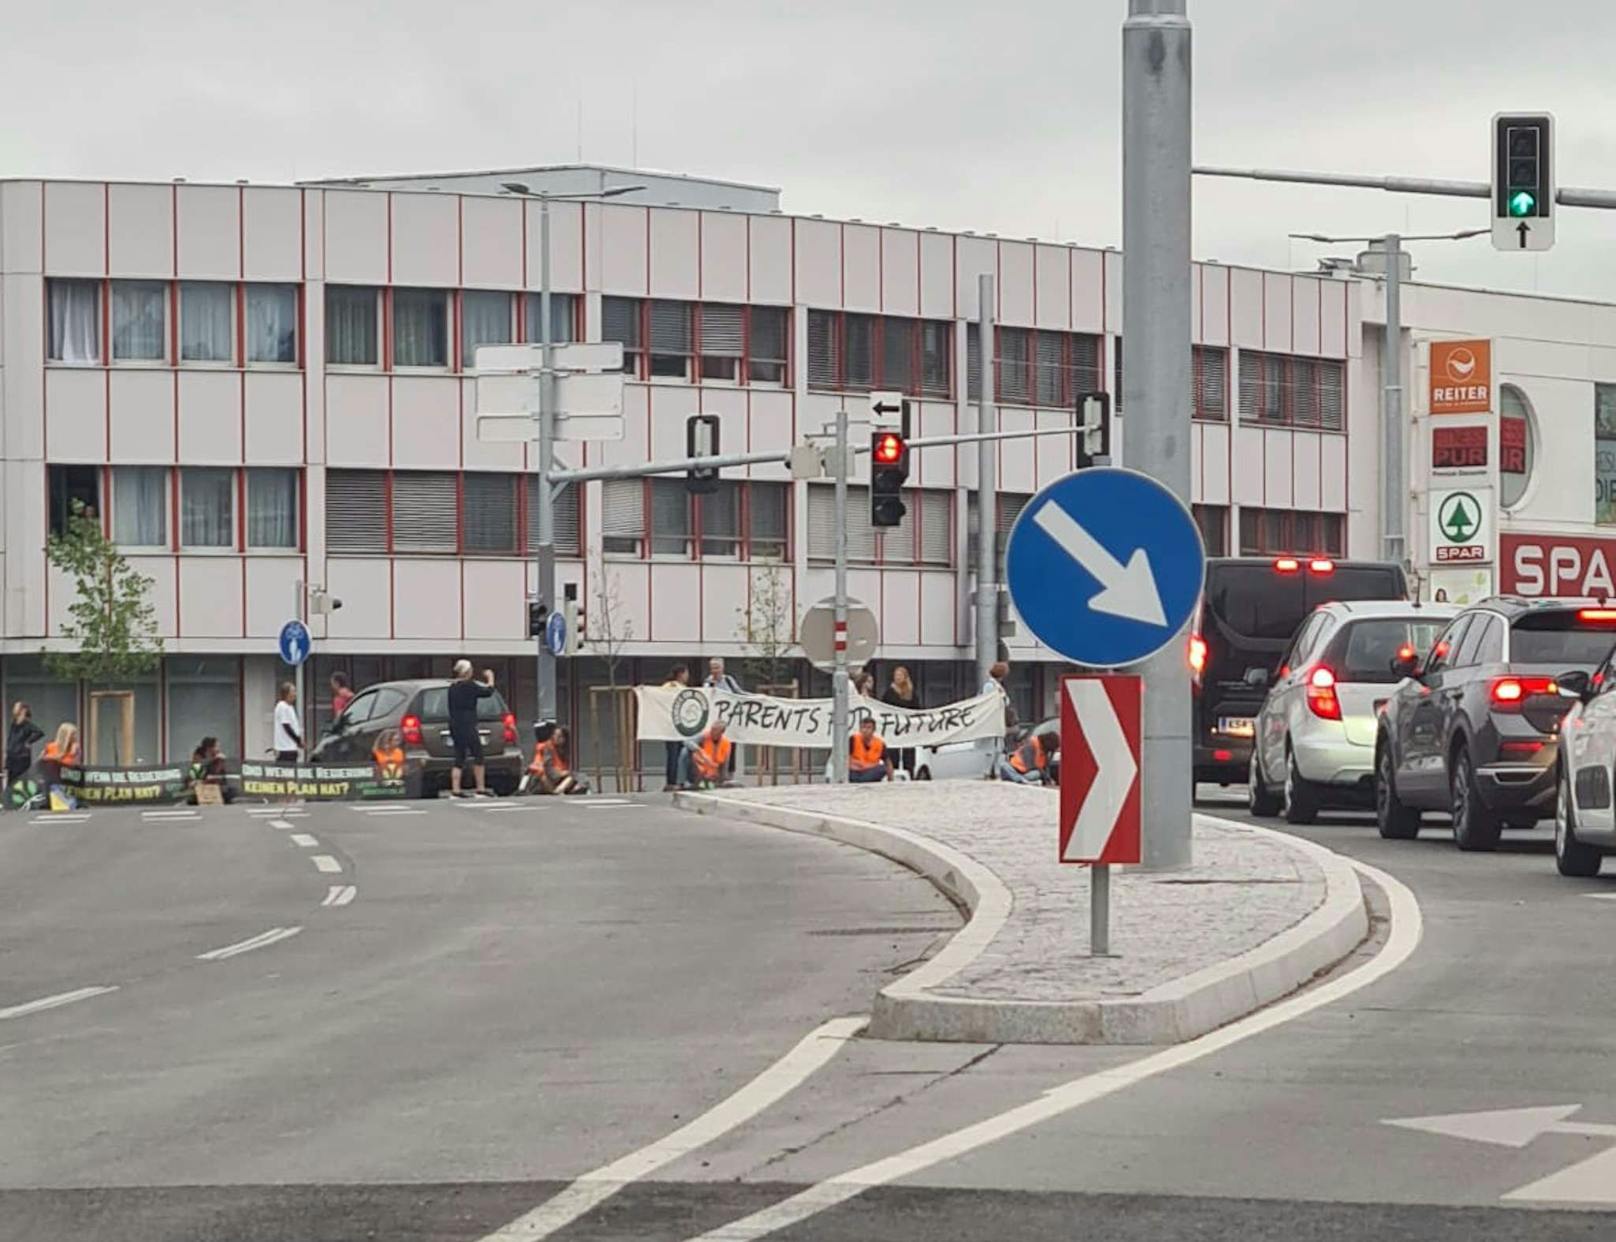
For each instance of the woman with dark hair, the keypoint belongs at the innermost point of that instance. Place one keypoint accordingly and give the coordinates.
(678, 679)
(20, 741)
(207, 768)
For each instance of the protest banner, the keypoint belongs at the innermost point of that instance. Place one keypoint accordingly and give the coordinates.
(675, 714)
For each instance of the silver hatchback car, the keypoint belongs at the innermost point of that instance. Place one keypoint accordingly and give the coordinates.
(1315, 734)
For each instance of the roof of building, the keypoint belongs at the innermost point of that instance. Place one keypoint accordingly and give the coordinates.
(529, 169)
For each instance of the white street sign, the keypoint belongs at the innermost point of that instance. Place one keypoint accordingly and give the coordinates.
(589, 406)
(571, 356)
(886, 410)
(504, 392)
(1592, 1180)
(817, 634)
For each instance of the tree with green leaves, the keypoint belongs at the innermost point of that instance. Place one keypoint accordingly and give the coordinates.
(111, 622)
(767, 625)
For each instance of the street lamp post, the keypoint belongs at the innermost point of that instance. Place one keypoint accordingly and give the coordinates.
(544, 554)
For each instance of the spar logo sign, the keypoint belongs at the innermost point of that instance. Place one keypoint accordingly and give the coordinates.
(1461, 377)
(1461, 527)
(1559, 566)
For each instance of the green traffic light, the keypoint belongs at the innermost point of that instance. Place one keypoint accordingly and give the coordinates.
(1522, 203)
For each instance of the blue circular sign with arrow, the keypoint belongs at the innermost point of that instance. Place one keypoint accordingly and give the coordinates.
(1105, 566)
(555, 633)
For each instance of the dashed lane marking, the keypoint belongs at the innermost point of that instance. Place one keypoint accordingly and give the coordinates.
(279, 823)
(324, 862)
(273, 936)
(61, 817)
(304, 839)
(164, 815)
(340, 894)
(55, 1002)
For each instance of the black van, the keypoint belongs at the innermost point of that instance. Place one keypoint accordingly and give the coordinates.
(1249, 610)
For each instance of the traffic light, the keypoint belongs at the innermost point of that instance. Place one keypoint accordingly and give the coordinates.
(573, 611)
(1094, 417)
(701, 440)
(538, 612)
(889, 470)
(1523, 181)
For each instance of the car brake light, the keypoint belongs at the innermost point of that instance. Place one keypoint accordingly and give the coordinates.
(1527, 747)
(1406, 652)
(1287, 565)
(1321, 696)
(1197, 655)
(510, 729)
(1321, 565)
(1508, 693)
(1606, 616)
(409, 730)
(1222, 756)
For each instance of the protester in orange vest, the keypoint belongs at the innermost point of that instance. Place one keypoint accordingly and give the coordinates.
(1029, 765)
(868, 760)
(551, 770)
(705, 758)
(62, 752)
(388, 756)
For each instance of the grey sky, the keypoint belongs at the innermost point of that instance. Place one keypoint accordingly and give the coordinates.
(997, 117)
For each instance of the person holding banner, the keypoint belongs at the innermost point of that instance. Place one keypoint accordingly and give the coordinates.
(705, 758)
(868, 760)
(678, 679)
(1029, 763)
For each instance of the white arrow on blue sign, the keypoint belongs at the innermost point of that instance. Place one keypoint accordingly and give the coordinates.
(555, 633)
(1105, 566)
(294, 643)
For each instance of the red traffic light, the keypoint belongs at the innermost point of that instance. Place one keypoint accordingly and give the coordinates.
(888, 449)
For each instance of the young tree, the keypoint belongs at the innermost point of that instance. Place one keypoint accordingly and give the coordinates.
(608, 629)
(767, 625)
(111, 621)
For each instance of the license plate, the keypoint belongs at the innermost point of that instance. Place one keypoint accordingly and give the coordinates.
(1237, 726)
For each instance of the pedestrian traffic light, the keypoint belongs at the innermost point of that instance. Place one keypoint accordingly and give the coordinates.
(889, 470)
(573, 612)
(701, 440)
(1523, 181)
(538, 612)
(1094, 440)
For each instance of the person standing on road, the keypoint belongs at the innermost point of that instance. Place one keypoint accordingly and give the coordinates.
(20, 739)
(288, 734)
(902, 693)
(464, 696)
(718, 679)
(341, 693)
(678, 679)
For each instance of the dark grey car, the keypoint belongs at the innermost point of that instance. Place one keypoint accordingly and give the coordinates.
(1474, 729)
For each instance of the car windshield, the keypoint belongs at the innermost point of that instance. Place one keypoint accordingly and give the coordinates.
(1562, 639)
(1371, 646)
(435, 705)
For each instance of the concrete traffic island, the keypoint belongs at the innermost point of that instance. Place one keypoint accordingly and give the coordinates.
(1259, 915)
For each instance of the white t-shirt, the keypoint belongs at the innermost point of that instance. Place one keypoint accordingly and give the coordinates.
(286, 729)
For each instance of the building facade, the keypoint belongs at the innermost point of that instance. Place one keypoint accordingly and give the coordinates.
(268, 389)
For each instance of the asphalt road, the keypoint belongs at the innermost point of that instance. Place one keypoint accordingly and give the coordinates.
(513, 998)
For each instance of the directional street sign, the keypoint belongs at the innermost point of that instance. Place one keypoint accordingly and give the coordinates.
(588, 391)
(886, 411)
(1591, 1180)
(1105, 566)
(295, 644)
(555, 633)
(1099, 791)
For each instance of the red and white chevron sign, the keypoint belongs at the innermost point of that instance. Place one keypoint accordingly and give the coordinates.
(1099, 789)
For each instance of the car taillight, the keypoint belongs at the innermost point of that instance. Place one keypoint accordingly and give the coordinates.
(1530, 746)
(1321, 696)
(1508, 693)
(510, 729)
(1321, 565)
(1197, 656)
(409, 729)
(1287, 565)
(1406, 652)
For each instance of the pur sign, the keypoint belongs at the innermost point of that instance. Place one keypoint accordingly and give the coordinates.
(1461, 377)
(1558, 566)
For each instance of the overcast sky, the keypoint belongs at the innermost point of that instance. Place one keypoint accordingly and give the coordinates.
(1000, 117)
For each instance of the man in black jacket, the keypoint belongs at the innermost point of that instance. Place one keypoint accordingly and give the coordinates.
(20, 741)
(464, 694)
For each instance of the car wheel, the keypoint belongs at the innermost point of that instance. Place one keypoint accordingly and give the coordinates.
(1571, 856)
(1395, 821)
(1301, 799)
(1475, 825)
(1262, 802)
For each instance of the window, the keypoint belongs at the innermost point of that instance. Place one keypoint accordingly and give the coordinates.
(719, 520)
(420, 328)
(70, 485)
(1290, 391)
(1214, 523)
(1036, 368)
(424, 512)
(670, 524)
(351, 333)
(563, 317)
(862, 352)
(272, 324)
(1008, 509)
(356, 511)
(272, 508)
(207, 508)
(670, 339)
(1516, 428)
(203, 701)
(75, 321)
(1209, 381)
(139, 321)
(489, 504)
(622, 516)
(766, 522)
(1605, 454)
(740, 521)
(568, 533)
(935, 537)
(723, 341)
(768, 344)
(140, 506)
(924, 537)
(620, 321)
(1290, 532)
(207, 322)
(485, 319)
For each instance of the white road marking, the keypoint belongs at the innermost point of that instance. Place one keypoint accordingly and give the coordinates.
(61, 817)
(1592, 1180)
(324, 862)
(608, 802)
(1407, 925)
(273, 936)
(279, 823)
(768, 1088)
(389, 810)
(55, 1002)
(613, 806)
(303, 839)
(1601, 896)
(171, 815)
(340, 895)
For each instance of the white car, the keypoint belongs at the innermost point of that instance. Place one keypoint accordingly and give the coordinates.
(1585, 810)
(1314, 740)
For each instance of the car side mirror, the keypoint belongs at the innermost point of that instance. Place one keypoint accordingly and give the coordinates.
(1406, 664)
(1577, 684)
(1256, 678)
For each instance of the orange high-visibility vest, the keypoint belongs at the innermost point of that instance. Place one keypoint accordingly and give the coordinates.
(867, 756)
(1038, 760)
(390, 763)
(711, 756)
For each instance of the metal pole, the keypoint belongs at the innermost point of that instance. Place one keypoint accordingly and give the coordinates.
(1156, 325)
(838, 711)
(1394, 499)
(546, 551)
(987, 502)
(297, 673)
(1100, 910)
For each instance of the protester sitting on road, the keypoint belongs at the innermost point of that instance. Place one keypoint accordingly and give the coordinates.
(20, 741)
(207, 768)
(1029, 763)
(704, 758)
(551, 769)
(62, 752)
(388, 756)
(868, 760)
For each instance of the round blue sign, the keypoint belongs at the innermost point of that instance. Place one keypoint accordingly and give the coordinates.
(295, 643)
(555, 633)
(1105, 566)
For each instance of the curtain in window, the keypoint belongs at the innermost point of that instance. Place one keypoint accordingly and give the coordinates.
(568, 528)
(766, 519)
(1210, 380)
(272, 508)
(722, 337)
(489, 501)
(936, 374)
(424, 517)
(670, 518)
(420, 328)
(860, 352)
(350, 326)
(485, 319)
(822, 525)
(897, 354)
(207, 508)
(936, 531)
(721, 521)
(206, 314)
(824, 352)
(140, 506)
(272, 323)
(564, 318)
(356, 511)
(75, 321)
(766, 344)
(622, 517)
(138, 320)
(670, 339)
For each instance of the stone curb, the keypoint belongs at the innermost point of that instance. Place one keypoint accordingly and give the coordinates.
(1179, 1010)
